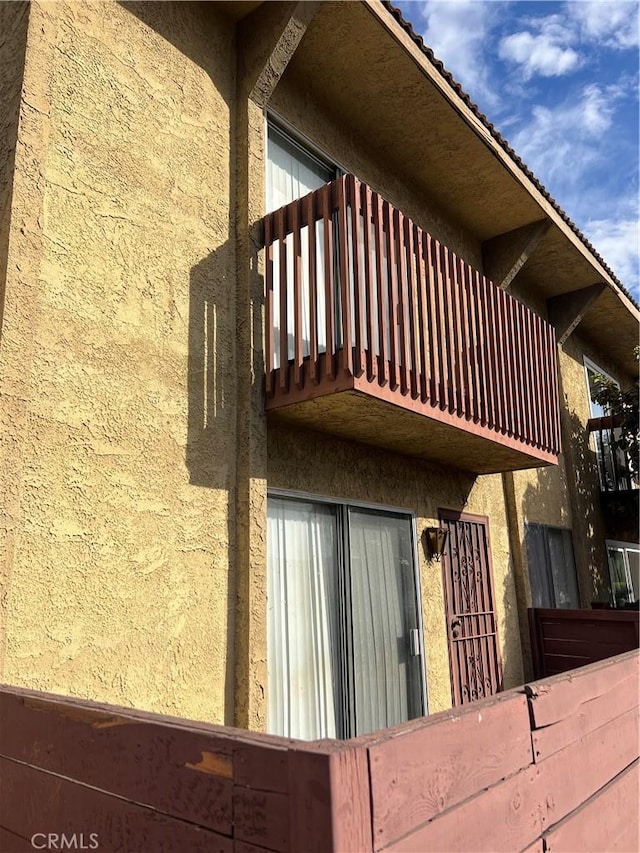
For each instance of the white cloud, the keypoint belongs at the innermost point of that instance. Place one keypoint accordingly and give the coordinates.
(562, 143)
(458, 33)
(613, 23)
(618, 241)
(538, 54)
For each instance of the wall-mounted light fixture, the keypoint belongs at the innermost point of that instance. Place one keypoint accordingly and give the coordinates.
(435, 541)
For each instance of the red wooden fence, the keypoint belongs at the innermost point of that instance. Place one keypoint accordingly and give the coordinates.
(355, 288)
(565, 639)
(552, 766)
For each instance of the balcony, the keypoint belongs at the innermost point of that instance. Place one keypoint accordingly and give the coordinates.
(619, 493)
(378, 333)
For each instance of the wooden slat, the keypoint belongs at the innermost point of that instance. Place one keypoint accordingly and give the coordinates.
(269, 342)
(407, 790)
(423, 315)
(540, 381)
(554, 699)
(412, 302)
(347, 341)
(553, 385)
(493, 332)
(474, 353)
(622, 697)
(467, 354)
(449, 327)
(284, 331)
(329, 286)
(507, 374)
(597, 824)
(433, 328)
(353, 185)
(392, 267)
(33, 800)
(313, 288)
(191, 771)
(482, 353)
(297, 296)
(372, 361)
(383, 291)
(403, 311)
(459, 346)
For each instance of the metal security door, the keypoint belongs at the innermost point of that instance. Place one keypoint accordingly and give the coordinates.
(469, 599)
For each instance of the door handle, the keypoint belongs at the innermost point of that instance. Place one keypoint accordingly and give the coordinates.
(456, 623)
(414, 642)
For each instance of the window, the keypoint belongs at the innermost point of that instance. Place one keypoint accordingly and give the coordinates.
(343, 635)
(293, 171)
(624, 567)
(552, 569)
(612, 464)
(591, 371)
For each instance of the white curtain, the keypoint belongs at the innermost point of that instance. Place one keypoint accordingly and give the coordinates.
(302, 620)
(386, 677)
(292, 174)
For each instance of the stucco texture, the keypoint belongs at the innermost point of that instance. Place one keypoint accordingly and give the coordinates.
(321, 465)
(117, 386)
(569, 495)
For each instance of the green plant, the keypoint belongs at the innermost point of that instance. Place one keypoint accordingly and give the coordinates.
(623, 406)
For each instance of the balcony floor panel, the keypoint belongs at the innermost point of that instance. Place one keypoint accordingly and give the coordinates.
(441, 437)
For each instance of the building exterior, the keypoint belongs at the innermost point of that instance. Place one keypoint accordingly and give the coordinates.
(229, 437)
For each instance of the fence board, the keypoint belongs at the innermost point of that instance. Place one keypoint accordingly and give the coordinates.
(559, 697)
(68, 807)
(587, 718)
(12, 843)
(261, 817)
(575, 773)
(320, 822)
(596, 824)
(469, 751)
(500, 820)
(266, 769)
(190, 771)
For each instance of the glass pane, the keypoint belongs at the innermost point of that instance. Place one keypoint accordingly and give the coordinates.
(633, 558)
(619, 585)
(292, 174)
(385, 673)
(303, 669)
(597, 411)
(563, 570)
(541, 590)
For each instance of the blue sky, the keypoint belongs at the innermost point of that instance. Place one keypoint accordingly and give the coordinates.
(560, 82)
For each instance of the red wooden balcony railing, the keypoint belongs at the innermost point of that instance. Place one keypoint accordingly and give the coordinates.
(359, 298)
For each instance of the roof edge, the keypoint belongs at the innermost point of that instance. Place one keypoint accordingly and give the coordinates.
(446, 75)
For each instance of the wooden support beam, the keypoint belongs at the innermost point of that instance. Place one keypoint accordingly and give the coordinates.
(504, 256)
(267, 40)
(566, 310)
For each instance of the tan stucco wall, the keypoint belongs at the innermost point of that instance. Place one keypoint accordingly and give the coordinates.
(568, 495)
(321, 465)
(14, 19)
(118, 397)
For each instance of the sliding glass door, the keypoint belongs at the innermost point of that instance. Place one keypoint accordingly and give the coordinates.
(344, 648)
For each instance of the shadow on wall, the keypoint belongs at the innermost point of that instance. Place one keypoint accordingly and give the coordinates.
(210, 455)
(587, 525)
